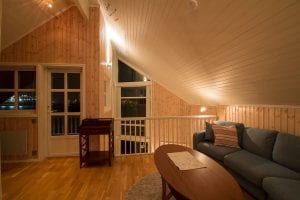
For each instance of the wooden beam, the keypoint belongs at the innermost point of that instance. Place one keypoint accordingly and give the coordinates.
(83, 6)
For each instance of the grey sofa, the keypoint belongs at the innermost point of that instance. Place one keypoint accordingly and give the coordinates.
(267, 165)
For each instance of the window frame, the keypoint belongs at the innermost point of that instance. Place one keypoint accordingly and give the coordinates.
(16, 90)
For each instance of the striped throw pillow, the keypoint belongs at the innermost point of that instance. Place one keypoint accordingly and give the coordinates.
(226, 136)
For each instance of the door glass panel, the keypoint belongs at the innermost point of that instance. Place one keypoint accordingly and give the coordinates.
(133, 92)
(7, 101)
(73, 101)
(57, 102)
(65, 100)
(73, 81)
(73, 124)
(27, 79)
(133, 107)
(57, 125)
(57, 80)
(7, 80)
(27, 100)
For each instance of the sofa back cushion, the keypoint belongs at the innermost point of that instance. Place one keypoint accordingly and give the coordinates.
(287, 151)
(259, 141)
(209, 133)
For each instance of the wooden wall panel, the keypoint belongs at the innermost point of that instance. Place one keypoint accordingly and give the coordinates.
(105, 70)
(27, 124)
(67, 38)
(281, 118)
(70, 39)
(165, 103)
(211, 110)
(297, 120)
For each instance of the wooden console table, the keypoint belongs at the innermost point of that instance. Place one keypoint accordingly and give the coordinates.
(95, 126)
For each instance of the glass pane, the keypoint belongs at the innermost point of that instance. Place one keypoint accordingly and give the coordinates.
(27, 100)
(73, 81)
(133, 107)
(73, 124)
(126, 74)
(57, 80)
(133, 92)
(7, 101)
(57, 125)
(128, 147)
(135, 130)
(73, 101)
(27, 79)
(57, 102)
(7, 80)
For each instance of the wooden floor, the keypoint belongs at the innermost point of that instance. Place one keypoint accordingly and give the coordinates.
(61, 178)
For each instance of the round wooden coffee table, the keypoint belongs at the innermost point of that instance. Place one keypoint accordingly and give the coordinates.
(212, 182)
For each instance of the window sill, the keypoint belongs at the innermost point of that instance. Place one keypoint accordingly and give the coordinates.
(18, 113)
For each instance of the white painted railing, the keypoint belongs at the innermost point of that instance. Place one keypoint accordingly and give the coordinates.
(142, 135)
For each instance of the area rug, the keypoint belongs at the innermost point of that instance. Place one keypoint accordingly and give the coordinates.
(148, 188)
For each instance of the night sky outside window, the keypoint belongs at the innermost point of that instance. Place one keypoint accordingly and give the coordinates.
(17, 89)
(127, 74)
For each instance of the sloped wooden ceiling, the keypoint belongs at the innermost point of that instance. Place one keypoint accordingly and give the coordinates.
(22, 16)
(213, 52)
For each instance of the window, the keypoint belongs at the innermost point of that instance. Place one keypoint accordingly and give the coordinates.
(18, 89)
(127, 74)
(134, 103)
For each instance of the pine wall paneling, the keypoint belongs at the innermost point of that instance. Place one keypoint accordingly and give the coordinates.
(27, 124)
(67, 38)
(281, 118)
(165, 103)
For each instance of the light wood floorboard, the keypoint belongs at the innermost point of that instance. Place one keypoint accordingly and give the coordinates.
(62, 179)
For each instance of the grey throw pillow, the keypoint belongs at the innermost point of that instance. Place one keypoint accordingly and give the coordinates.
(209, 133)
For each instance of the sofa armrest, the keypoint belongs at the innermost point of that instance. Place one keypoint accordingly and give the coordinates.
(198, 137)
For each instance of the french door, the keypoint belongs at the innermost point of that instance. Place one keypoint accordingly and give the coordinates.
(64, 111)
(134, 105)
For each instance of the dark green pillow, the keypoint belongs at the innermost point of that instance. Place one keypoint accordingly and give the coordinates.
(209, 132)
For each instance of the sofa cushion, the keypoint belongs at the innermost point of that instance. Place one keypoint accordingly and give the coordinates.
(254, 168)
(216, 152)
(259, 141)
(198, 137)
(225, 136)
(282, 188)
(209, 134)
(286, 151)
(239, 127)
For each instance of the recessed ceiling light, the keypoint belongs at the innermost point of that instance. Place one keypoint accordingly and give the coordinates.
(49, 5)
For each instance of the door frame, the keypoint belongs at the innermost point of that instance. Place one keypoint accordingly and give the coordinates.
(63, 68)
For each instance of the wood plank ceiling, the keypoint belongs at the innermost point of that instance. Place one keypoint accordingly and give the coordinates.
(213, 52)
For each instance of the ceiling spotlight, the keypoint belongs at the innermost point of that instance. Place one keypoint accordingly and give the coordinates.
(49, 5)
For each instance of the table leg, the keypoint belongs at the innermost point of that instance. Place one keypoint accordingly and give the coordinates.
(164, 187)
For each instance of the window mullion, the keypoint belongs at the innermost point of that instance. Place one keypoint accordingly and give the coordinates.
(66, 103)
(16, 87)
